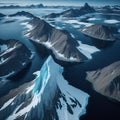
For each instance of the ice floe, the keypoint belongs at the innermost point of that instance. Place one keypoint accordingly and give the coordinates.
(87, 50)
(112, 21)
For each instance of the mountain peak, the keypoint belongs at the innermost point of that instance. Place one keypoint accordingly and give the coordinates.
(87, 8)
(100, 32)
(86, 5)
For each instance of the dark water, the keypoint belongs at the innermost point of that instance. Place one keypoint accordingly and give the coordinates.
(15, 30)
(99, 107)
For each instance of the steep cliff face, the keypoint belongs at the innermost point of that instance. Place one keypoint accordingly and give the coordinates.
(100, 32)
(47, 97)
(107, 80)
(60, 42)
(14, 56)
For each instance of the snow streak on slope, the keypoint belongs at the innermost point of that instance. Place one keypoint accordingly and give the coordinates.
(48, 97)
(87, 50)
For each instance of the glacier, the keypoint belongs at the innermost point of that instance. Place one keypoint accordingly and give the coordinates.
(48, 97)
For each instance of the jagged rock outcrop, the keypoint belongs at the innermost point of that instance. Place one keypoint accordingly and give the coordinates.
(100, 32)
(60, 42)
(107, 80)
(14, 56)
(73, 12)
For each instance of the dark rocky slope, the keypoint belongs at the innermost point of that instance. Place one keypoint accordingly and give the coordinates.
(22, 13)
(60, 42)
(100, 32)
(110, 9)
(14, 56)
(73, 12)
(2, 15)
(107, 80)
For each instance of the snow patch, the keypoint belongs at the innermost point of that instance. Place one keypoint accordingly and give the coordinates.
(8, 50)
(5, 76)
(48, 80)
(2, 60)
(78, 22)
(7, 103)
(112, 21)
(87, 50)
(32, 55)
(92, 19)
(3, 48)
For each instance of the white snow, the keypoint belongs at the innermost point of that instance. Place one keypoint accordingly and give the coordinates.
(78, 22)
(92, 19)
(24, 110)
(24, 63)
(47, 82)
(87, 50)
(72, 35)
(112, 21)
(69, 92)
(29, 89)
(7, 103)
(32, 55)
(57, 53)
(27, 25)
(76, 26)
(3, 48)
(2, 60)
(63, 57)
(5, 76)
(34, 102)
(24, 23)
(8, 50)
(60, 28)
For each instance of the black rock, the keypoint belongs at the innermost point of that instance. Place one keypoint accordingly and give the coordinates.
(100, 32)
(14, 57)
(2, 15)
(23, 13)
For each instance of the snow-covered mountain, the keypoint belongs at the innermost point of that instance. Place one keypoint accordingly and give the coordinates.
(60, 42)
(23, 13)
(73, 12)
(48, 97)
(14, 57)
(100, 32)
